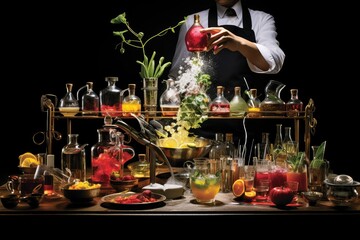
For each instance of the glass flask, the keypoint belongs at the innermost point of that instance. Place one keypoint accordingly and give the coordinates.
(204, 184)
(131, 103)
(69, 105)
(229, 171)
(108, 154)
(89, 100)
(73, 158)
(194, 39)
(141, 168)
(272, 103)
(253, 104)
(170, 99)
(110, 99)
(219, 106)
(294, 105)
(238, 106)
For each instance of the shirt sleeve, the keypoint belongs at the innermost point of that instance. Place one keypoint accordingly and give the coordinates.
(266, 41)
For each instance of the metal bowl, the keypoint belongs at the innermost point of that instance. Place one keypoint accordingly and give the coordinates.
(80, 195)
(177, 156)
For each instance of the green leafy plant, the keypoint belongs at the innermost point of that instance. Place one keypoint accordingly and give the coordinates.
(149, 68)
(318, 159)
(296, 162)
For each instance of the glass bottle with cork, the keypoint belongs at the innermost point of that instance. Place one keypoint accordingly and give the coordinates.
(110, 99)
(131, 103)
(294, 105)
(69, 105)
(141, 168)
(170, 99)
(253, 103)
(195, 40)
(238, 106)
(219, 106)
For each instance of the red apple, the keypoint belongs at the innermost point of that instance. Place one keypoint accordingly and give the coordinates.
(281, 196)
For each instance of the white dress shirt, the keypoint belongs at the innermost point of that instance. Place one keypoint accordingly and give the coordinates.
(263, 25)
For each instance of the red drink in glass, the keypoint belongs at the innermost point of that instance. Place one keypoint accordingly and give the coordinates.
(277, 177)
(301, 178)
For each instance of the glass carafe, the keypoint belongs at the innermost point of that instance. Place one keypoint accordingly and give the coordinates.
(294, 105)
(194, 39)
(170, 99)
(73, 158)
(110, 99)
(131, 103)
(69, 105)
(253, 104)
(141, 168)
(318, 169)
(272, 103)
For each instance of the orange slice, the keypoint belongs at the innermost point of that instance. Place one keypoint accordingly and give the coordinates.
(249, 196)
(238, 188)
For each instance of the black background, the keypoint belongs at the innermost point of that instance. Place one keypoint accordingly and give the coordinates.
(46, 45)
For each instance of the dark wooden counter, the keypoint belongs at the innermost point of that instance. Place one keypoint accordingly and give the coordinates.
(226, 209)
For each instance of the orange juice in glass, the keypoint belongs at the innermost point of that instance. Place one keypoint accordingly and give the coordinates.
(300, 177)
(204, 185)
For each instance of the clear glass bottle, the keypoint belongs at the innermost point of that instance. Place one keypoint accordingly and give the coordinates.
(272, 103)
(69, 105)
(110, 99)
(220, 106)
(131, 103)
(294, 105)
(141, 168)
(253, 104)
(228, 164)
(170, 99)
(279, 153)
(73, 158)
(238, 106)
(195, 40)
(90, 101)
(264, 147)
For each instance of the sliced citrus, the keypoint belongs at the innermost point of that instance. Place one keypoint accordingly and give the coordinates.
(249, 196)
(238, 188)
(29, 162)
(22, 157)
(170, 143)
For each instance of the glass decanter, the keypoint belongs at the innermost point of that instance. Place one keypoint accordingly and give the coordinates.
(272, 104)
(194, 39)
(110, 99)
(73, 158)
(89, 100)
(294, 105)
(131, 103)
(219, 106)
(238, 106)
(69, 105)
(170, 99)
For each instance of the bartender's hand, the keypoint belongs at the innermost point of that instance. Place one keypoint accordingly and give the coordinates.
(221, 38)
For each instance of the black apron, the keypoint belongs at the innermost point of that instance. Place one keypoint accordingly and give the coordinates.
(227, 69)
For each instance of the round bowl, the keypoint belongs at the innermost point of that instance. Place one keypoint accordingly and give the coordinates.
(10, 200)
(80, 195)
(177, 156)
(342, 195)
(312, 197)
(123, 185)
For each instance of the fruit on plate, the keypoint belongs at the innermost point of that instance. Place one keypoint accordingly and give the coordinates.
(28, 159)
(281, 196)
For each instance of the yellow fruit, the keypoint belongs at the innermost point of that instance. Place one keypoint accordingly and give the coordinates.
(29, 162)
(22, 157)
(249, 196)
(170, 143)
(238, 188)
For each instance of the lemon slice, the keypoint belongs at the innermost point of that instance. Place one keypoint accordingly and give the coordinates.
(170, 143)
(187, 145)
(29, 162)
(22, 157)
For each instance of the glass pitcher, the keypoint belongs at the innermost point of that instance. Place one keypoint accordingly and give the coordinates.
(273, 104)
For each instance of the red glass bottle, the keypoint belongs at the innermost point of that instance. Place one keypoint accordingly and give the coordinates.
(194, 39)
